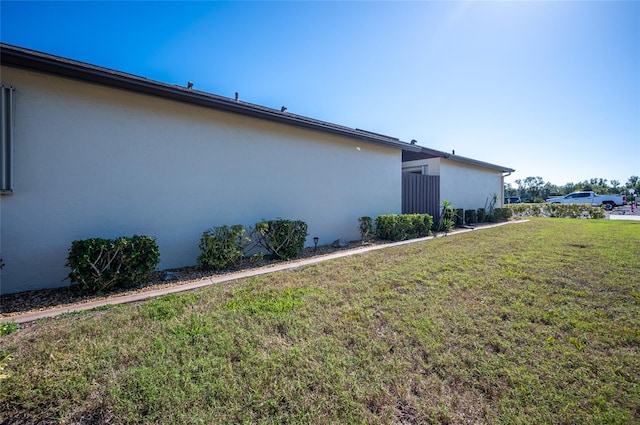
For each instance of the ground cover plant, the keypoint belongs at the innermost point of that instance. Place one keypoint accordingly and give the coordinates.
(535, 322)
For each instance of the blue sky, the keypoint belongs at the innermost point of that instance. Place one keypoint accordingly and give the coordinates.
(551, 89)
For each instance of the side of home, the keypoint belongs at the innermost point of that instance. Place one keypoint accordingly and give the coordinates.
(92, 152)
(466, 183)
(97, 153)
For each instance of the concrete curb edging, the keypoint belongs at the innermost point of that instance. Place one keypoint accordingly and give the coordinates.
(124, 299)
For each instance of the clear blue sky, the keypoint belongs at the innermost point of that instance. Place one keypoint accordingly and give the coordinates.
(551, 89)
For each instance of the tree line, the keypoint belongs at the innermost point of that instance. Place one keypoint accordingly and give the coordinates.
(535, 189)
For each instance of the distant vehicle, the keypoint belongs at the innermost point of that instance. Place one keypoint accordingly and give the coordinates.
(513, 200)
(608, 202)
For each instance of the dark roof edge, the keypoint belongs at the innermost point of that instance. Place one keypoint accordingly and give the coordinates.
(483, 164)
(19, 57)
(426, 153)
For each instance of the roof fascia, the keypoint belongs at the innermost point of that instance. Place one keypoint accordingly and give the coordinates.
(477, 163)
(28, 59)
(426, 153)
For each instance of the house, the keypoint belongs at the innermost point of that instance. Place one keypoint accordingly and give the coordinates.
(92, 152)
(431, 176)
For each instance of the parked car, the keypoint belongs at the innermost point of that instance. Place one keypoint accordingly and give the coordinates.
(608, 202)
(513, 200)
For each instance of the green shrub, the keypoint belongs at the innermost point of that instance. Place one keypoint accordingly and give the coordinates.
(525, 210)
(470, 216)
(556, 210)
(501, 214)
(447, 224)
(387, 227)
(596, 213)
(458, 217)
(399, 227)
(282, 238)
(98, 265)
(367, 228)
(421, 224)
(221, 247)
(447, 217)
(482, 215)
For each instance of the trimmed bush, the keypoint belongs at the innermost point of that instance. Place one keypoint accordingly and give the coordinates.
(596, 213)
(526, 210)
(98, 265)
(221, 247)
(557, 210)
(399, 227)
(458, 218)
(470, 216)
(284, 239)
(501, 214)
(482, 215)
(367, 228)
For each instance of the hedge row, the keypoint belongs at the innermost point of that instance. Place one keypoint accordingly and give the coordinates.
(480, 215)
(98, 265)
(400, 227)
(556, 210)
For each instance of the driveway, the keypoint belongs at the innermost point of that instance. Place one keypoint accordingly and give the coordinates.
(624, 213)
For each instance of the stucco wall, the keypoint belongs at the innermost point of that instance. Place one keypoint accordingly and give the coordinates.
(468, 186)
(92, 161)
(432, 164)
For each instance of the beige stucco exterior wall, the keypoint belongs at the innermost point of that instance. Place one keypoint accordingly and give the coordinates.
(469, 186)
(433, 165)
(91, 161)
(465, 186)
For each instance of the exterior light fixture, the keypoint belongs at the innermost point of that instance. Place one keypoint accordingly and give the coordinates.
(315, 244)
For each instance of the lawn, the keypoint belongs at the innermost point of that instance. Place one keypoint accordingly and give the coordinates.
(529, 323)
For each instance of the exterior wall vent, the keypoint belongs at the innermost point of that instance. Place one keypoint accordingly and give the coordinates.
(6, 140)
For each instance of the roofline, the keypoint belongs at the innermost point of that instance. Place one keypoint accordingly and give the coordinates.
(483, 164)
(19, 57)
(426, 153)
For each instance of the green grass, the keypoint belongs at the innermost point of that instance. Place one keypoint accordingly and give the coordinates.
(8, 327)
(529, 323)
